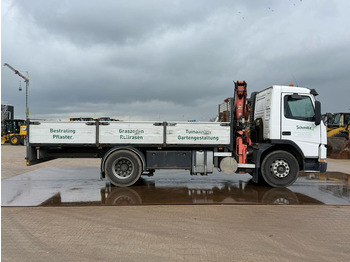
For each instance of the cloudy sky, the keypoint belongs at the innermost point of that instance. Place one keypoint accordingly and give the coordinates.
(169, 60)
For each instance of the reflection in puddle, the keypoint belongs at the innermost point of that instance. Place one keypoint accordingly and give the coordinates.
(79, 186)
(340, 188)
(226, 195)
(237, 193)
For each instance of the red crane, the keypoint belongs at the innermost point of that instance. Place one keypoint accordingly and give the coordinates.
(241, 110)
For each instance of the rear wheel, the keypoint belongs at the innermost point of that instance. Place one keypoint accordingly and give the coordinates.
(123, 168)
(280, 169)
(123, 197)
(15, 140)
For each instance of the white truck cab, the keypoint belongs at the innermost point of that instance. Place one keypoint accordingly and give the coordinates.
(288, 114)
(288, 118)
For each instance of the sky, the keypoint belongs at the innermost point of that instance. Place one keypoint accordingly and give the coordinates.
(169, 60)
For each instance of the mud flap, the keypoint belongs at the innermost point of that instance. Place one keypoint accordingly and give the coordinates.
(255, 175)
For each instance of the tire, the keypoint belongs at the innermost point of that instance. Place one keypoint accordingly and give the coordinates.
(15, 140)
(280, 169)
(123, 168)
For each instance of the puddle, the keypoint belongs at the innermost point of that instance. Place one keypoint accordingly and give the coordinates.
(73, 186)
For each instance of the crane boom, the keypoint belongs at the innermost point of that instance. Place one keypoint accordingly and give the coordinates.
(26, 80)
(17, 72)
(241, 111)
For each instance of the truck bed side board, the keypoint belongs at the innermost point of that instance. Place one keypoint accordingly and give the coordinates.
(62, 133)
(129, 133)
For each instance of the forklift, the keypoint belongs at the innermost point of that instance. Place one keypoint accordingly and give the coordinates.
(13, 131)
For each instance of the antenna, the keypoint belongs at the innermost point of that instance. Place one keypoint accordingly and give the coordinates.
(295, 80)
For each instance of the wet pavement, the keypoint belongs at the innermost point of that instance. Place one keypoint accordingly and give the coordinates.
(79, 186)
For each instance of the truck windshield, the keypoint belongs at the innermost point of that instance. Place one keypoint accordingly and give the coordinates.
(299, 109)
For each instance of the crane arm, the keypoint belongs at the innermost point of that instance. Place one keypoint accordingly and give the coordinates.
(241, 111)
(241, 107)
(17, 72)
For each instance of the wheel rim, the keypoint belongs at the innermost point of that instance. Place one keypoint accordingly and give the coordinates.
(280, 168)
(281, 201)
(14, 140)
(123, 168)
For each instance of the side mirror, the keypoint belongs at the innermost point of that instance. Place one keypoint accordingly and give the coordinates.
(317, 113)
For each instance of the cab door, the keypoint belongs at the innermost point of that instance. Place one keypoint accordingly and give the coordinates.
(298, 122)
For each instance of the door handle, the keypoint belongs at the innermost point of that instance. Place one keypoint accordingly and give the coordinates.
(286, 133)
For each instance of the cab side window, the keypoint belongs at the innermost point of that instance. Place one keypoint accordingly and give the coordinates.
(300, 108)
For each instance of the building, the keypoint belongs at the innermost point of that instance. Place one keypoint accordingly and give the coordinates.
(7, 112)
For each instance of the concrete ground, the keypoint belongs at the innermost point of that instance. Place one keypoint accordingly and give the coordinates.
(14, 164)
(170, 233)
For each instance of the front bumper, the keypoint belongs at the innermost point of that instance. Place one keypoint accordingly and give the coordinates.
(323, 167)
(313, 165)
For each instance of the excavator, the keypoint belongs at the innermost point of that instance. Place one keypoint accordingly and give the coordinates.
(338, 134)
(13, 131)
(338, 125)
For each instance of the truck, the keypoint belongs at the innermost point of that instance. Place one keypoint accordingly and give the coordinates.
(272, 135)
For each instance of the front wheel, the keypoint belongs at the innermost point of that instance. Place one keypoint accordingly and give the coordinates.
(15, 140)
(280, 169)
(123, 168)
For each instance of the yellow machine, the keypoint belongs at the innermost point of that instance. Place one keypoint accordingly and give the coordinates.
(13, 131)
(338, 125)
(81, 119)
